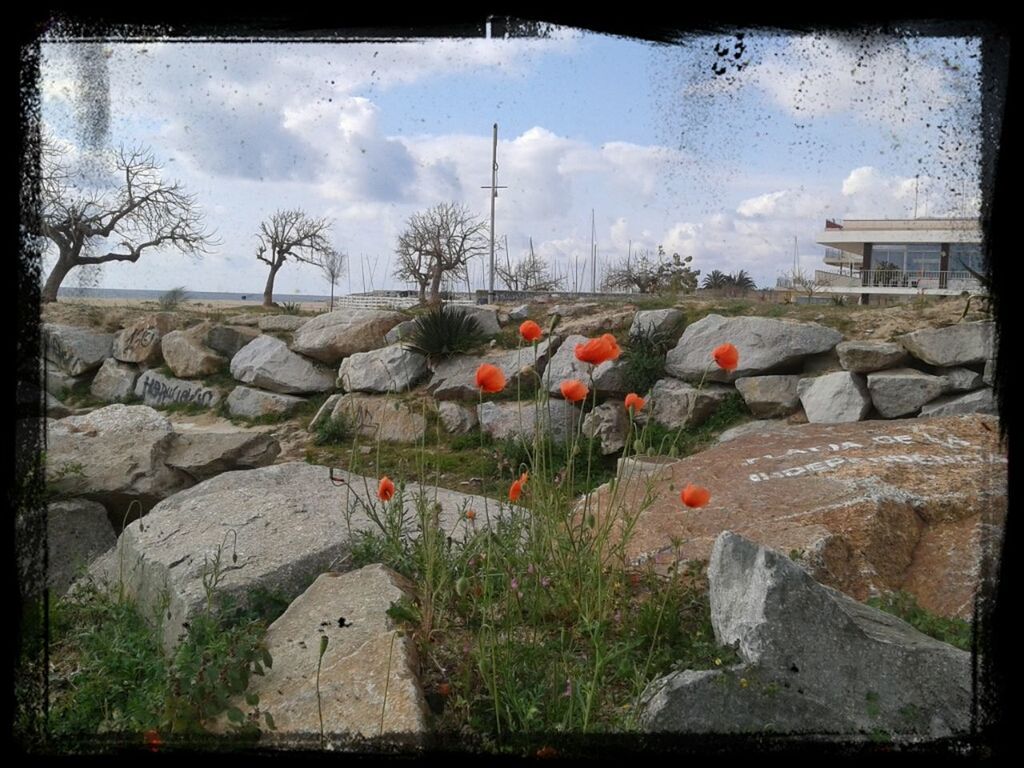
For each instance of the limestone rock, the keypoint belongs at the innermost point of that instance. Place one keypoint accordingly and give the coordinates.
(960, 344)
(989, 374)
(870, 356)
(765, 345)
(156, 389)
(187, 356)
(252, 403)
(281, 322)
(55, 409)
(267, 363)
(455, 378)
(75, 350)
(902, 391)
(512, 419)
(388, 369)
(960, 379)
(978, 401)
(228, 339)
(139, 341)
(324, 413)
(657, 321)
(77, 532)
(609, 378)
(485, 316)
(520, 313)
(204, 452)
(609, 422)
(834, 398)
(114, 381)
(335, 335)
(381, 418)
(675, 404)
(401, 331)
(769, 397)
(58, 383)
(457, 419)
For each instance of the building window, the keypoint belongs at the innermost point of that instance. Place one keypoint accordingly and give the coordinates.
(963, 256)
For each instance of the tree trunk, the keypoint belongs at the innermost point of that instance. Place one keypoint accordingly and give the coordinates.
(435, 286)
(423, 293)
(332, 298)
(57, 274)
(268, 292)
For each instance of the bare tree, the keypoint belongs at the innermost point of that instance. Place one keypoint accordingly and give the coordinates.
(332, 264)
(437, 244)
(528, 274)
(125, 209)
(290, 233)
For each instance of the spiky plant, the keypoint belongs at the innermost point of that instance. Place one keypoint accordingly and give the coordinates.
(444, 331)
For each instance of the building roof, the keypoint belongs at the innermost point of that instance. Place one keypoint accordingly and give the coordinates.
(850, 235)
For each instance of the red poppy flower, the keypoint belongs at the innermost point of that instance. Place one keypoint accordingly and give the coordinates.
(470, 514)
(517, 487)
(386, 489)
(695, 496)
(634, 401)
(727, 357)
(152, 740)
(530, 331)
(574, 390)
(597, 351)
(489, 378)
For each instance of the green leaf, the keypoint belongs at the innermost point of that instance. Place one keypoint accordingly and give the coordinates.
(270, 721)
(461, 586)
(268, 662)
(252, 699)
(235, 715)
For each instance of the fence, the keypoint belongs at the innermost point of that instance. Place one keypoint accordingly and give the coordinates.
(920, 280)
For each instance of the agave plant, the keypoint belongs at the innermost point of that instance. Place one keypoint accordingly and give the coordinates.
(444, 331)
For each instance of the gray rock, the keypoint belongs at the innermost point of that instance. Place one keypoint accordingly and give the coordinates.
(455, 378)
(902, 391)
(324, 413)
(156, 389)
(960, 379)
(335, 335)
(267, 363)
(388, 369)
(960, 344)
(381, 418)
(55, 409)
(251, 319)
(846, 668)
(505, 420)
(202, 452)
(281, 322)
(990, 372)
(139, 342)
(276, 527)
(823, 362)
(869, 356)
(401, 331)
(675, 404)
(609, 377)
(113, 455)
(522, 312)
(834, 398)
(573, 310)
(486, 318)
(77, 532)
(370, 667)
(768, 428)
(187, 356)
(609, 422)
(978, 401)
(769, 397)
(76, 350)
(114, 381)
(251, 403)
(58, 383)
(228, 339)
(657, 321)
(765, 346)
(457, 419)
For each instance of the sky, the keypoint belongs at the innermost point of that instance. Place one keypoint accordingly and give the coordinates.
(732, 149)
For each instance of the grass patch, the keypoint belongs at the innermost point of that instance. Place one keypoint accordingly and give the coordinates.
(183, 409)
(956, 632)
(659, 440)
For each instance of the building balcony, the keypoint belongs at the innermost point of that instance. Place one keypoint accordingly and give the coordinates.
(938, 283)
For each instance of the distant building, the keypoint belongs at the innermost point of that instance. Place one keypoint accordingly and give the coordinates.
(901, 256)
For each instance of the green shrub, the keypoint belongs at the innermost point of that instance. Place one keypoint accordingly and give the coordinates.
(644, 358)
(172, 299)
(956, 632)
(444, 331)
(291, 307)
(334, 431)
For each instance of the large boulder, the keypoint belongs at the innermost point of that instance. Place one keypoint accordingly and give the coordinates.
(456, 419)
(834, 398)
(228, 339)
(522, 420)
(388, 369)
(610, 423)
(202, 452)
(381, 418)
(960, 380)
(281, 322)
(55, 409)
(139, 342)
(323, 413)
(57, 382)
(675, 404)
(251, 403)
(335, 335)
(187, 356)
(960, 344)
(267, 363)
(815, 661)
(769, 397)
(369, 675)
(869, 356)
(156, 389)
(519, 313)
(77, 532)
(401, 331)
(902, 391)
(275, 528)
(114, 381)
(113, 455)
(455, 378)
(660, 321)
(486, 317)
(76, 350)
(978, 401)
(915, 504)
(765, 346)
(609, 378)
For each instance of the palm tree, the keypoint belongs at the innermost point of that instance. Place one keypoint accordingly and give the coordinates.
(743, 281)
(715, 279)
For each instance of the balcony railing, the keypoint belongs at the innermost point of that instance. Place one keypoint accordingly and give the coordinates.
(948, 280)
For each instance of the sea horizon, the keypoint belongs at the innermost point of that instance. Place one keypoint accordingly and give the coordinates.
(143, 295)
